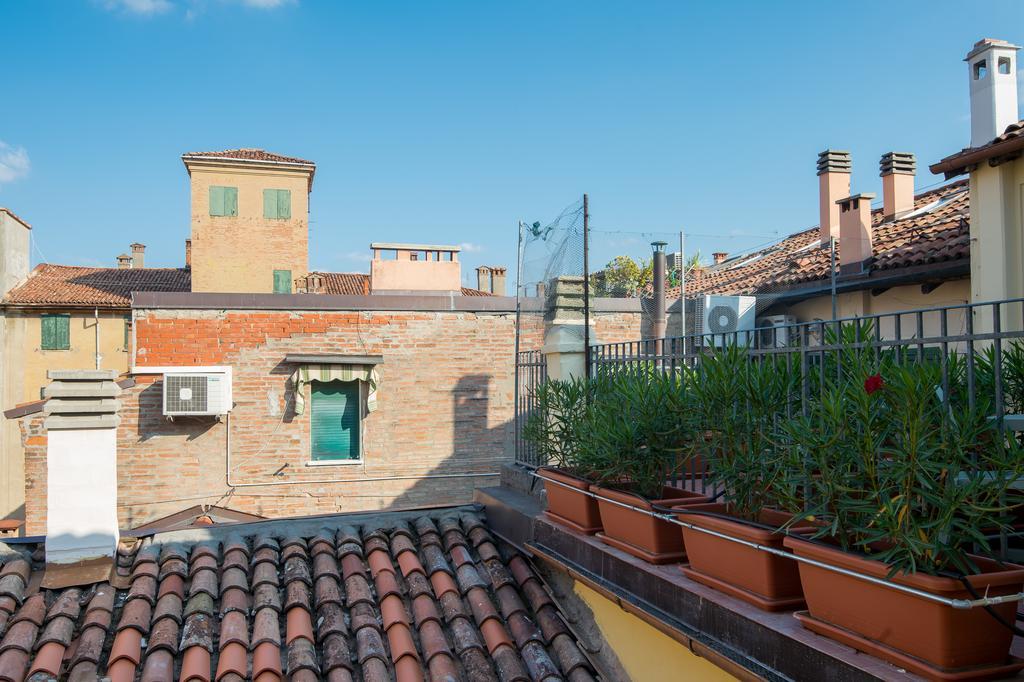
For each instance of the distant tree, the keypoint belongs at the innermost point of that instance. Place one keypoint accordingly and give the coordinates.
(623, 277)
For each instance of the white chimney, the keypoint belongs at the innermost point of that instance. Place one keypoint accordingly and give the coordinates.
(992, 69)
(81, 476)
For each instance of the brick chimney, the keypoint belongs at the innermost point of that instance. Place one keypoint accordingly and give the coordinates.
(124, 262)
(992, 69)
(483, 278)
(719, 257)
(833, 185)
(498, 275)
(897, 170)
(138, 255)
(855, 240)
(188, 253)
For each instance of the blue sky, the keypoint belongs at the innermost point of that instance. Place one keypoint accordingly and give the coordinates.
(448, 122)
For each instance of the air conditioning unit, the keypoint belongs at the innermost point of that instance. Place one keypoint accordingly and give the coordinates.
(776, 331)
(721, 317)
(195, 394)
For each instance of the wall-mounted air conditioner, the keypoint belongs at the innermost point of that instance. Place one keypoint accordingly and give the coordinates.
(722, 317)
(776, 331)
(194, 394)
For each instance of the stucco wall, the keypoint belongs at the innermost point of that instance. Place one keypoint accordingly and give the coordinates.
(997, 237)
(14, 256)
(240, 253)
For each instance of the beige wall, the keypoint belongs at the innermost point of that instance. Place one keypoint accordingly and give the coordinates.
(997, 238)
(240, 253)
(35, 361)
(896, 299)
(419, 275)
(12, 458)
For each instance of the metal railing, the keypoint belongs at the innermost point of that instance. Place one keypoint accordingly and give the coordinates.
(531, 371)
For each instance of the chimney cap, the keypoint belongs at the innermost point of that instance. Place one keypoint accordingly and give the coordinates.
(866, 196)
(834, 161)
(897, 162)
(988, 44)
(135, 245)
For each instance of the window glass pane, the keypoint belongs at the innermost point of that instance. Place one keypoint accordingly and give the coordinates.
(282, 281)
(334, 420)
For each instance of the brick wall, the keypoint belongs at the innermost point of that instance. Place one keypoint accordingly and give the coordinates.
(444, 406)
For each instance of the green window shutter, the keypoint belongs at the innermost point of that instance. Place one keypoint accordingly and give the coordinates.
(334, 420)
(56, 332)
(277, 204)
(282, 281)
(284, 204)
(127, 331)
(223, 201)
(270, 204)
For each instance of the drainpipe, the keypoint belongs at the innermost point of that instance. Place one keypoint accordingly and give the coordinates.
(96, 326)
(659, 321)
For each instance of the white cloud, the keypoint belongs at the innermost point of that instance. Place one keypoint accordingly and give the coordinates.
(469, 247)
(141, 7)
(14, 162)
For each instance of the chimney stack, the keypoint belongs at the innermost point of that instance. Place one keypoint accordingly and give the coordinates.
(188, 253)
(498, 274)
(855, 247)
(659, 321)
(483, 278)
(719, 257)
(992, 69)
(124, 262)
(138, 255)
(833, 185)
(897, 171)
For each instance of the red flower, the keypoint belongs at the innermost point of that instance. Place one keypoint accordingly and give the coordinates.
(873, 383)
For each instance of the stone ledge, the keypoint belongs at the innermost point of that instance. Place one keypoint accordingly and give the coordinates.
(770, 645)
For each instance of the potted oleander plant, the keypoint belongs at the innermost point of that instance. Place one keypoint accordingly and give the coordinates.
(908, 484)
(641, 433)
(557, 428)
(741, 402)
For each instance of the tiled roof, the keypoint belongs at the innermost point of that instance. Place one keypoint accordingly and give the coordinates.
(248, 155)
(440, 599)
(936, 231)
(358, 284)
(1010, 142)
(71, 285)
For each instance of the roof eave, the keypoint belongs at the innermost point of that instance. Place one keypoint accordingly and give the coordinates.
(996, 154)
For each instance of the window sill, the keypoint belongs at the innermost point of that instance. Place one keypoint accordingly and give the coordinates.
(334, 463)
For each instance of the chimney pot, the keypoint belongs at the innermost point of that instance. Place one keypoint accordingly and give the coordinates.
(855, 234)
(188, 253)
(498, 279)
(992, 70)
(483, 278)
(138, 255)
(719, 257)
(124, 262)
(897, 171)
(833, 184)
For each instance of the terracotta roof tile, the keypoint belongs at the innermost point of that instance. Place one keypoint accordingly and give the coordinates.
(70, 285)
(936, 231)
(391, 626)
(247, 154)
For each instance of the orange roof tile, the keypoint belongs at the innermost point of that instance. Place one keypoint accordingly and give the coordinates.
(71, 285)
(248, 154)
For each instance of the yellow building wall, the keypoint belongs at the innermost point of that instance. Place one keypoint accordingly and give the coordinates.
(82, 354)
(12, 455)
(644, 652)
(240, 253)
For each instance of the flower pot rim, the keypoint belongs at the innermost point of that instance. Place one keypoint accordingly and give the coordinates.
(716, 514)
(663, 502)
(561, 475)
(1006, 575)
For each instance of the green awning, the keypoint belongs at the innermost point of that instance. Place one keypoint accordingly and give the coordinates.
(341, 372)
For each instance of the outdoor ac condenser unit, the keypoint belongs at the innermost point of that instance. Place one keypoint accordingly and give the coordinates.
(720, 317)
(774, 331)
(197, 394)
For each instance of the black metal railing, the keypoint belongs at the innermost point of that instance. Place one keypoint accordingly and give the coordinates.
(531, 371)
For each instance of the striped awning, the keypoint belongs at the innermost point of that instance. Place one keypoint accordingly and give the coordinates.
(341, 372)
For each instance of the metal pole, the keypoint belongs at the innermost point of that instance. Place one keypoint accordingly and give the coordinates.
(832, 261)
(515, 359)
(682, 289)
(658, 265)
(586, 283)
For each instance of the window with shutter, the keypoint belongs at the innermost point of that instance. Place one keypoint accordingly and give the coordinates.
(56, 332)
(223, 201)
(334, 420)
(277, 204)
(282, 281)
(127, 331)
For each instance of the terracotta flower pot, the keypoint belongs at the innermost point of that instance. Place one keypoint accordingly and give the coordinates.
(925, 637)
(765, 580)
(568, 502)
(654, 540)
